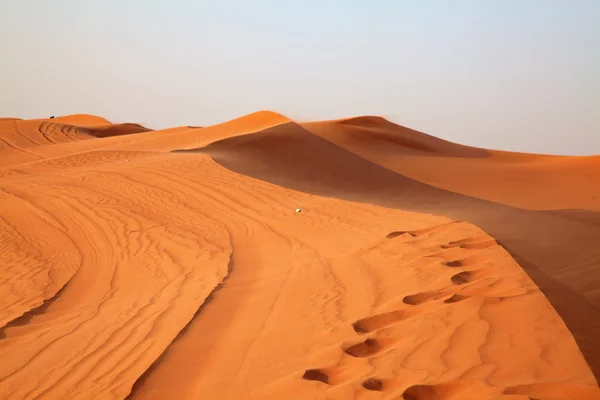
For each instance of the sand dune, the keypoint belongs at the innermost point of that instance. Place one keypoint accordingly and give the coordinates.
(389, 138)
(81, 120)
(26, 141)
(173, 264)
(542, 182)
(559, 250)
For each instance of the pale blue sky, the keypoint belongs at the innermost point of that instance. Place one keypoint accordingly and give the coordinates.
(510, 74)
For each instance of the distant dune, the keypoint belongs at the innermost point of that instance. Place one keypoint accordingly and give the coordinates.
(81, 120)
(262, 258)
(542, 182)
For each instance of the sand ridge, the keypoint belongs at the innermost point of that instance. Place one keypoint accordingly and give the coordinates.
(543, 182)
(557, 247)
(25, 141)
(172, 264)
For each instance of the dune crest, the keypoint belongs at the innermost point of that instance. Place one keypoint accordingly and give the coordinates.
(263, 258)
(81, 120)
(385, 136)
(531, 181)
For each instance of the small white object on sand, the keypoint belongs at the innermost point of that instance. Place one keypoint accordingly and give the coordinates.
(298, 210)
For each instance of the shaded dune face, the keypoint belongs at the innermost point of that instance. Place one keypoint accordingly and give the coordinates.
(278, 155)
(116, 130)
(389, 138)
(530, 181)
(173, 264)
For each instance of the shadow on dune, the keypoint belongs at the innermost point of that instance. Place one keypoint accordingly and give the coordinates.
(116, 130)
(55, 132)
(389, 138)
(559, 252)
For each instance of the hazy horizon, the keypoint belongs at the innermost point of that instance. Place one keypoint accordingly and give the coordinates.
(511, 75)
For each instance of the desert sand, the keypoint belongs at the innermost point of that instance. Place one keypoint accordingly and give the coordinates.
(263, 258)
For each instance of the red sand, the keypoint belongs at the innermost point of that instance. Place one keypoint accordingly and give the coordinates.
(173, 264)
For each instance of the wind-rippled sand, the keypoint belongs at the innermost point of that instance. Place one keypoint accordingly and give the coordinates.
(173, 265)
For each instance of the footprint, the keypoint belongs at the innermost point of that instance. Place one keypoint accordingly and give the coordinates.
(462, 278)
(420, 392)
(419, 298)
(453, 264)
(395, 234)
(373, 384)
(316, 375)
(471, 244)
(364, 349)
(456, 298)
(474, 243)
(449, 246)
(375, 322)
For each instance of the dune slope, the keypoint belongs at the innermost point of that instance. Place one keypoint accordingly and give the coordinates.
(31, 140)
(173, 264)
(561, 252)
(530, 181)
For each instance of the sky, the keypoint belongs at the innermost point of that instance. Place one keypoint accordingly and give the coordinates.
(521, 75)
